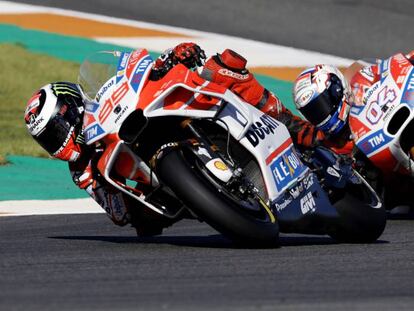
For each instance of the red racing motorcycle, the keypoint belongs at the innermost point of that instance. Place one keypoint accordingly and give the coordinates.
(182, 147)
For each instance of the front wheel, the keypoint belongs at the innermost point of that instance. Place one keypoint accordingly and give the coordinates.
(245, 221)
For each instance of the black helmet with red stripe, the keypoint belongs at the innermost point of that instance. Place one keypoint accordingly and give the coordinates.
(54, 116)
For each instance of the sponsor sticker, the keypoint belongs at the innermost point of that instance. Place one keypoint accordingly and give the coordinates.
(139, 72)
(371, 91)
(305, 97)
(104, 89)
(307, 203)
(356, 110)
(120, 112)
(260, 129)
(93, 131)
(34, 102)
(286, 168)
(229, 73)
(333, 172)
(34, 123)
(91, 107)
(220, 165)
(373, 142)
(121, 66)
(303, 82)
(281, 206)
(408, 94)
(367, 73)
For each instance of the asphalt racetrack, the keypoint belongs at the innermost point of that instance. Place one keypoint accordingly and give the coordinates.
(83, 262)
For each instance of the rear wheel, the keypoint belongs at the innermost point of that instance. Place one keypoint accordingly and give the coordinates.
(362, 217)
(244, 220)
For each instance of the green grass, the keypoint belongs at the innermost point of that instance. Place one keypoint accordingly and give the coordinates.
(24, 72)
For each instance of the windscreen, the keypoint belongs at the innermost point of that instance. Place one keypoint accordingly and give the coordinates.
(96, 70)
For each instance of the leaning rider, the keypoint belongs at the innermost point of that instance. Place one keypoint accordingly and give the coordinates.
(328, 107)
(54, 117)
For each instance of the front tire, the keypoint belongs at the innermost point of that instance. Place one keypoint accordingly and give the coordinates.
(221, 211)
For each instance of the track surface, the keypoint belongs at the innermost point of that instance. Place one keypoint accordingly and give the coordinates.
(83, 262)
(348, 28)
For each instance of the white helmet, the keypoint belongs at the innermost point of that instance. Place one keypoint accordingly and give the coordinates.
(322, 95)
(54, 119)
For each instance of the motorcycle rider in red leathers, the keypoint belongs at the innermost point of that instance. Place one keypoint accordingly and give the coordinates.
(333, 93)
(54, 119)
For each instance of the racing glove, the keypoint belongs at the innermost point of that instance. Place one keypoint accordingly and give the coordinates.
(189, 54)
(83, 179)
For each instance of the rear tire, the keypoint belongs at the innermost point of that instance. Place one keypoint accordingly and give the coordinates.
(223, 212)
(359, 221)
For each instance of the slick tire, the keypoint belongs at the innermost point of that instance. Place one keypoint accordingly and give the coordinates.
(178, 172)
(359, 221)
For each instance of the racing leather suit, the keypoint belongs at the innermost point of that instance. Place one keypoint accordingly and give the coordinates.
(229, 69)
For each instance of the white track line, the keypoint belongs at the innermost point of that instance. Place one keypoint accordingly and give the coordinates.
(48, 207)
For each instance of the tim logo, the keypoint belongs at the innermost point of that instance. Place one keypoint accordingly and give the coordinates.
(373, 142)
(140, 71)
(377, 140)
(93, 131)
(408, 95)
(410, 84)
(307, 203)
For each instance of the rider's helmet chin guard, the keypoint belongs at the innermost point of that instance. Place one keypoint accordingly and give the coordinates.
(54, 119)
(322, 95)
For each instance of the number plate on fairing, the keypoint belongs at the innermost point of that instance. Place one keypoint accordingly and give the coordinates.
(118, 97)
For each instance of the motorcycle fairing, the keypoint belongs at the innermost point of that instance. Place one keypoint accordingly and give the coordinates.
(373, 124)
(267, 139)
(303, 204)
(181, 92)
(117, 97)
(105, 166)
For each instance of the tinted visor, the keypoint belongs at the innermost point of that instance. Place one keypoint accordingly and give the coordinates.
(55, 134)
(320, 108)
(57, 131)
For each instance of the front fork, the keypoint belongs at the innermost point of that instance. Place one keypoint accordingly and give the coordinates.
(207, 153)
(231, 178)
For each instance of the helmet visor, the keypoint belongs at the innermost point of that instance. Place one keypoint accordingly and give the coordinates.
(322, 107)
(55, 135)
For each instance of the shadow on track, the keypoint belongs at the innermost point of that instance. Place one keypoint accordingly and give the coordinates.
(409, 217)
(210, 241)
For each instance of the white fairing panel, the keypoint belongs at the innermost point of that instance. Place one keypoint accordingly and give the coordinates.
(270, 142)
